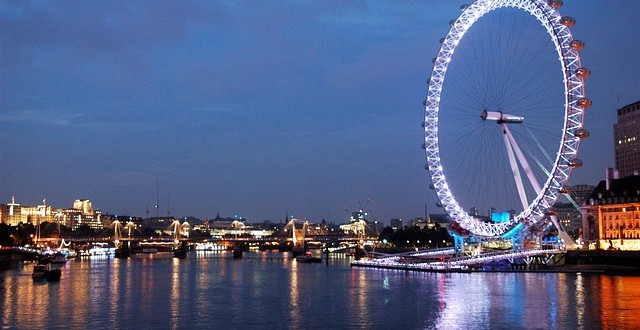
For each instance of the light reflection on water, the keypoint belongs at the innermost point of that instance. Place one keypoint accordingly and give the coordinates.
(270, 290)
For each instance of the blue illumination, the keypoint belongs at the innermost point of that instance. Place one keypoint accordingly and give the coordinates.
(513, 231)
(500, 216)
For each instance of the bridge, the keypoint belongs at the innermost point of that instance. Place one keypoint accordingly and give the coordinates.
(124, 241)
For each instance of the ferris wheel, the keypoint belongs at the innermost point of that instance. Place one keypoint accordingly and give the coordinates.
(502, 131)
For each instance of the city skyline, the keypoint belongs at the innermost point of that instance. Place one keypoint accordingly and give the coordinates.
(250, 110)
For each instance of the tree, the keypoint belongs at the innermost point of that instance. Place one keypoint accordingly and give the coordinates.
(5, 234)
(86, 231)
(386, 234)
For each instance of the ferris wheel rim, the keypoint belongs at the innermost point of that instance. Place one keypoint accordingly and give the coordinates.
(570, 60)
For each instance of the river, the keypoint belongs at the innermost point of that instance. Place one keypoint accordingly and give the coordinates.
(272, 291)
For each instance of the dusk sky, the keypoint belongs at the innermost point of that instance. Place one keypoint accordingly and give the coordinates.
(248, 108)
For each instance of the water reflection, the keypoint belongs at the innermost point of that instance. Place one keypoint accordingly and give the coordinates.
(620, 301)
(114, 290)
(274, 291)
(175, 294)
(580, 300)
(511, 300)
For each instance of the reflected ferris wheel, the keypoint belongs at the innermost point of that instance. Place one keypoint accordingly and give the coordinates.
(503, 130)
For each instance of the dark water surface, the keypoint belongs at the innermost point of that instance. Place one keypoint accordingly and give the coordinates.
(272, 291)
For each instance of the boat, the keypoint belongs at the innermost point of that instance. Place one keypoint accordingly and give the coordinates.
(46, 271)
(308, 257)
(48, 258)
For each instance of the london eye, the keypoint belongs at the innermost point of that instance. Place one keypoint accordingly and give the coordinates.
(504, 115)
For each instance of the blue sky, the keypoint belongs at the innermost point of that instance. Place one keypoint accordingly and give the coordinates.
(250, 108)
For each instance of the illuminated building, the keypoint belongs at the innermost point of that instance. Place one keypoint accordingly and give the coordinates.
(14, 214)
(82, 213)
(357, 223)
(568, 216)
(220, 227)
(626, 133)
(611, 215)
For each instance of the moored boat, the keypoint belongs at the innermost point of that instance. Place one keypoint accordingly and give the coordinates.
(308, 257)
(46, 271)
(48, 258)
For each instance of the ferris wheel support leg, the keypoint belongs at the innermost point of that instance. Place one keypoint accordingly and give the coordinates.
(514, 167)
(568, 242)
(458, 246)
(566, 239)
(516, 242)
(523, 161)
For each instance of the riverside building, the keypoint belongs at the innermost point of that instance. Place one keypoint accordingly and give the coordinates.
(626, 133)
(14, 214)
(611, 215)
(81, 214)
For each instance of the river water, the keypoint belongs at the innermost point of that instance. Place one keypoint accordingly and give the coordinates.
(272, 291)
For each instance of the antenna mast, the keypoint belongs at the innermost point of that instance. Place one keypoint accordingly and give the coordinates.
(157, 200)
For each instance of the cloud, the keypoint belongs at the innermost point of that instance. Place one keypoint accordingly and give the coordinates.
(99, 26)
(55, 118)
(220, 108)
(40, 117)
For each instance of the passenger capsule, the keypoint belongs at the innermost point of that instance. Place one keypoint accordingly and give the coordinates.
(555, 4)
(568, 21)
(432, 187)
(565, 190)
(577, 45)
(583, 72)
(424, 146)
(424, 124)
(551, 212)
(433, 60)
(575, 163)
(428, 80)
(452, 22)
(438, 204)
(424, 103)
(442, 40)
(426, 167)
(582, 133)
(464, 7)
(584, 103)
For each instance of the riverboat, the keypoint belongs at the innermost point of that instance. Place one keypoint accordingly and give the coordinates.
(57, 258)
(308, 257)
(46, 272)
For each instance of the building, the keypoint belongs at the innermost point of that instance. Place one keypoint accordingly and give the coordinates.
(580, 192)
(626, 133)
(569, 213)
(569, 217)
(81, 214)
(396, 224)
(160, 224)
(611, 215)
(14, 214)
